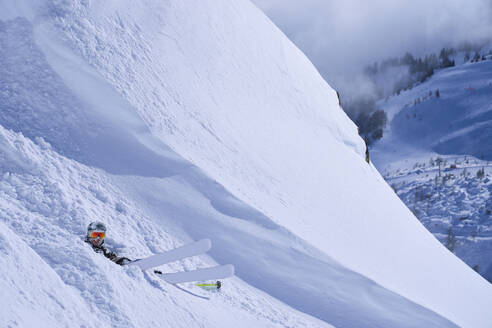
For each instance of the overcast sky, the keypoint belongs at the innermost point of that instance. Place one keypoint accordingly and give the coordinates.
(342, 36)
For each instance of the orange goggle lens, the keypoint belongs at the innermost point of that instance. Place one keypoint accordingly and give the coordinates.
(97, 234)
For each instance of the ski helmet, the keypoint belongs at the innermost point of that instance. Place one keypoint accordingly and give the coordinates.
(96, 232)
(96, 226)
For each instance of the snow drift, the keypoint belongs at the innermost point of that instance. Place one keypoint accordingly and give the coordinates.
(174, 121)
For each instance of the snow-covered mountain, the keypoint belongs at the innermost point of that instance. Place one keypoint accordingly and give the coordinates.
(436, 155)
(456, 122)
(173, 121)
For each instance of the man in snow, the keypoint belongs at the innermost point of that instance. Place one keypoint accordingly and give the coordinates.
(96, 232)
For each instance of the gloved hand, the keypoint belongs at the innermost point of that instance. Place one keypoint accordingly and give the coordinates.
(122, 260)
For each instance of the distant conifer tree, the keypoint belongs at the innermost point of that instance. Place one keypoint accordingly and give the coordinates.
(481, 173)
(450, 240)
(476, 57)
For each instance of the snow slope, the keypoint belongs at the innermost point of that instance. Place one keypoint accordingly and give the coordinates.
(174, 121)
(50, 277)
(451, 127)
(458, 122)
(35, 288)
(456, 207)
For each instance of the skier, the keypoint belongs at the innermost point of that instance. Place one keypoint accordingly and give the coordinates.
(96, 232)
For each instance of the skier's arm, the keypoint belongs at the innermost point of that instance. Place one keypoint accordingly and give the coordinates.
(110, 255)
(115, 258)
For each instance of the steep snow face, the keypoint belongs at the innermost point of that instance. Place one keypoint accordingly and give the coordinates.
(51, 278)
(35, 296)
(224, 89)
(47, 199)
(256, 116)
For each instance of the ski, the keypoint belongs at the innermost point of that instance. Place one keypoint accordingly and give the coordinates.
(191, 249)
(217, 272)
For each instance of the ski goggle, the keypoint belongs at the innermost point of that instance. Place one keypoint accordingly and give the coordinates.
(97, 234)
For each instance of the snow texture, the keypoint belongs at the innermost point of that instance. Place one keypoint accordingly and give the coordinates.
(455, 205)
(175, 121)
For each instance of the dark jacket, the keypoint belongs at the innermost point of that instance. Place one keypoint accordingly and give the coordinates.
(110, 255)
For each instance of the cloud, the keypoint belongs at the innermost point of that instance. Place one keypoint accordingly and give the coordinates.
(341, 37)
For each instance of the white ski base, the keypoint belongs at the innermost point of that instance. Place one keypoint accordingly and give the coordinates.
(191, 249)
(217, 272)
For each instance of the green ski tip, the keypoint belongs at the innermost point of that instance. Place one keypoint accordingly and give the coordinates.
(217, 285)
